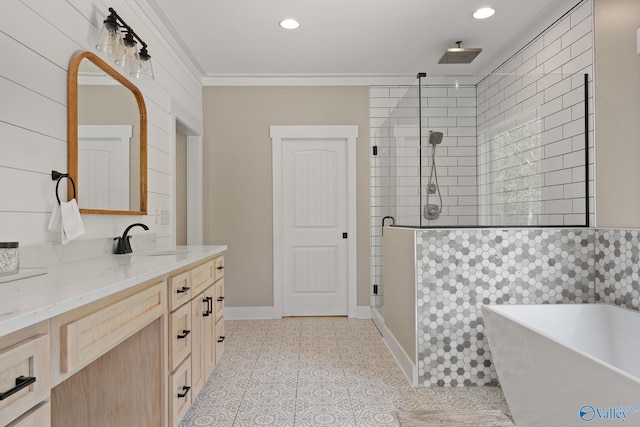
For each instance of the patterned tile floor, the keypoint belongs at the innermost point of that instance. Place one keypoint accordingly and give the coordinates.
(316, 372)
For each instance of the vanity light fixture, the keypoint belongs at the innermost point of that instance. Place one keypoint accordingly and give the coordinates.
(289, 24)
(120, 42)
(484, 13)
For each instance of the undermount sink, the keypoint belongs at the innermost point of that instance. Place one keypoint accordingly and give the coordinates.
(166, 252)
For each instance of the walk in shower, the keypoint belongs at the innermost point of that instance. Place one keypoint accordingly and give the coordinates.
(508, 150)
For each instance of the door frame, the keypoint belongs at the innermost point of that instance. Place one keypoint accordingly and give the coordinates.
(278, 134)
(195, 183)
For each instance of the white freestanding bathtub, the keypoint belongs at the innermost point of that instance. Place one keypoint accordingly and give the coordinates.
(567, 364)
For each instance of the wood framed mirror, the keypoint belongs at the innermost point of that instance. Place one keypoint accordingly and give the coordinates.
(107, 131)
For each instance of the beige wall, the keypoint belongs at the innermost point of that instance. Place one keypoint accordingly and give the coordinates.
(617, 113)
(238, 195)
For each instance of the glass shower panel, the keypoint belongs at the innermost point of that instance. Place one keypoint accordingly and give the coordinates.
(513, 151)
(396, 177)
(532, 154)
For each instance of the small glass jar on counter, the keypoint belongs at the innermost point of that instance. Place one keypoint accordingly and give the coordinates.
(9, 258)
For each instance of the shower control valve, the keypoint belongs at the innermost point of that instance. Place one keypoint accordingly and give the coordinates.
(431, 211)
(431, 188)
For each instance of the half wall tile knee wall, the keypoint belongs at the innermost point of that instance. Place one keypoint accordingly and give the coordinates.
(618, 267)
(459, 270)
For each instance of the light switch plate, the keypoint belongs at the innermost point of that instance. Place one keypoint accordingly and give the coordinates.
(638, 41)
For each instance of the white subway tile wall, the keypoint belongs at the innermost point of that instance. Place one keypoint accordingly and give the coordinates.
(531, 129)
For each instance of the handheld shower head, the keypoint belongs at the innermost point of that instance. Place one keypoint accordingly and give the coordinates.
(435, 138)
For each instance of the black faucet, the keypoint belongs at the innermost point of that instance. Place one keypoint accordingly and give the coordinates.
(124, 246)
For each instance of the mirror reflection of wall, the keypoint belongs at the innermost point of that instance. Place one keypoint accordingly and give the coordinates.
(109, 174)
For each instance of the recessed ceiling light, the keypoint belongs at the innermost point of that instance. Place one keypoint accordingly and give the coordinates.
(289, 24)
(483, 13)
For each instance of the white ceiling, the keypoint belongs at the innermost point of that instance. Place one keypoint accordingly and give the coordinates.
(231, 38)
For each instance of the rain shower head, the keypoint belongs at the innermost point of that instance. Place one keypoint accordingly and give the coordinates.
(435, 138)
(460, 55)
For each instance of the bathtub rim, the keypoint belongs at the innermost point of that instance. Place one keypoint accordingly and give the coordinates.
(492, 308)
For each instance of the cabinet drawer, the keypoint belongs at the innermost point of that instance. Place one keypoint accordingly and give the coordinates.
(179, 290)
(180, 392)
(202, 276)
(40, 416)
(219, 298)
(88, 337)
(219, 267)
(220, 338)
(24, 377)
(179, 335)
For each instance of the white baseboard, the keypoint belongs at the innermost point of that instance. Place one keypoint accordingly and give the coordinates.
(248, 313)
(363, 312)
(267, 313)
(402, 359)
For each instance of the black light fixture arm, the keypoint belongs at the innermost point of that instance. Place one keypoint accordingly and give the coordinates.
(120, 23)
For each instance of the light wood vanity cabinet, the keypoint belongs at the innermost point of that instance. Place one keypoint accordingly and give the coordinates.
(134, 358)
(195, 327)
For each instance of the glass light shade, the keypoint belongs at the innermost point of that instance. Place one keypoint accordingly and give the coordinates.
(145, 71)
(129, 61)
(110, 41)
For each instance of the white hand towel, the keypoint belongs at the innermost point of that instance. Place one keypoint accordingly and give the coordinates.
(72, 226)
(55, 222)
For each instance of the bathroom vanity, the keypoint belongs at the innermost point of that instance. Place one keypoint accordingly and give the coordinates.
(116, 340)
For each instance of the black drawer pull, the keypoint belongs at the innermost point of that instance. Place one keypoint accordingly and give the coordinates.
(185, 332)
(183, 290)
(21, 382)
(209, 310)
(220, 299)
(220, 339)
(221, 267)
(186, 389)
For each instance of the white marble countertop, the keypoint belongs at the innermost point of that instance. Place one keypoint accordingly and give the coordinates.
(71, 285)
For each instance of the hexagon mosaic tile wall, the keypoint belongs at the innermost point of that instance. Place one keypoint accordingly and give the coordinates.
(459, 270)
(618, 269)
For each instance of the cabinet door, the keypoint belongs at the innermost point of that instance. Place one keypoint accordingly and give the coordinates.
(210, 337)
(199, 314)
(179, 335)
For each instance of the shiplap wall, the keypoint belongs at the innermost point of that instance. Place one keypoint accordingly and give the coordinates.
(37, 40)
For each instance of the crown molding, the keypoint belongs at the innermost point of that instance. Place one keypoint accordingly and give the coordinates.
(157, 16)
(310, 80)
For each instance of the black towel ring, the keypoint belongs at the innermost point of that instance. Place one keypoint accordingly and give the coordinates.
(57, 176)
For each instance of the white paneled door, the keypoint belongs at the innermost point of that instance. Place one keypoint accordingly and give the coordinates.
(314, 218)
